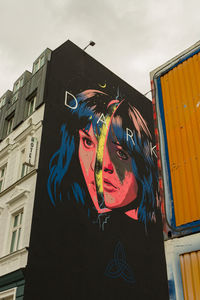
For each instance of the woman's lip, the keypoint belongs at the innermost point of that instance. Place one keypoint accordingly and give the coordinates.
(108, 184)
(109, 189)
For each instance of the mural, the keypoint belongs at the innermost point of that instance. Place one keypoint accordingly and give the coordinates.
(113, 144)
(107, 142)
(97, 231)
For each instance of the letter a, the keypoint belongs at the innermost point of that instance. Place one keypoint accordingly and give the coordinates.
(102, 119)
(66, 104)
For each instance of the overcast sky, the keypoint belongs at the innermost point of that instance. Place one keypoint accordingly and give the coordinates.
(132, 37)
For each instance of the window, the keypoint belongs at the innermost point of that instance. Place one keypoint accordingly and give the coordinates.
(2, 177)
(31, 105)
(16, 227)
(8, 294)
(10, 122)
(2, 101)
(25, 170)
(18, 84)
(38, 64)
(7, 298)
(17, 230)
(21, 82)
(41, 61)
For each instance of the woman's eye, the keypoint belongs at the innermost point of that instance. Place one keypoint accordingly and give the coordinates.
(88, 143)
(122, 155)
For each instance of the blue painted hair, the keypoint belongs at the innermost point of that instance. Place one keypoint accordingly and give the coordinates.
(66, 180)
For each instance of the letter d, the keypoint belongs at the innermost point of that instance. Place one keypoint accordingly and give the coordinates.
(66, 100)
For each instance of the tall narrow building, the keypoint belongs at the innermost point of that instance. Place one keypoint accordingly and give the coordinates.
(79, 203)
(21, 115)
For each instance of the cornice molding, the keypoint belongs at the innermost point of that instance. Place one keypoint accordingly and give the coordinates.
(18, 193)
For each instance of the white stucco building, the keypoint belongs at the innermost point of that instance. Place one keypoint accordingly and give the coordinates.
(21, 115)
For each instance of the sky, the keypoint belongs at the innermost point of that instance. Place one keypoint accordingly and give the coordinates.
(133, 37)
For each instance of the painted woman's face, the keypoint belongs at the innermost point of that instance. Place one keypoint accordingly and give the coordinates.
(119, 183)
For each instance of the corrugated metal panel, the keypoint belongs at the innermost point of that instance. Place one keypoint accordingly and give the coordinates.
(190, 269)
(181, 102)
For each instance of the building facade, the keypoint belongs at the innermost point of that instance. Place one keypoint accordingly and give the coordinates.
(21, 115)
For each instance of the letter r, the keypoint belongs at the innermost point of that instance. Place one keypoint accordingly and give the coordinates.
(129, 134)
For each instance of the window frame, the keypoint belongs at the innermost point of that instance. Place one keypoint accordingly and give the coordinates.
(8, 293)
(24, 168)
(2, 178)
(31, 104)
(39, 63)
(18, 84)
(15, 239)
(21, 82)
(16, 203)
(9, 126)
(36, 66)
(2, 101)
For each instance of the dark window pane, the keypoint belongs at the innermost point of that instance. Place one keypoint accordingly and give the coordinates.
(13, 241)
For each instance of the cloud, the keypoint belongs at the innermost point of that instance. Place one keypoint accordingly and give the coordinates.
(132, 37)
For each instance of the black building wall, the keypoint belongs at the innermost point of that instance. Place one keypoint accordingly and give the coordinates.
(71, 254)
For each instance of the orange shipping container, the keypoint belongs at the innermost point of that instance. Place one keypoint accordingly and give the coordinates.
(190, 270)
(177, 99)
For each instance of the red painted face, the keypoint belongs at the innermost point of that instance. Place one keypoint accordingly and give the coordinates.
(119, 183)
